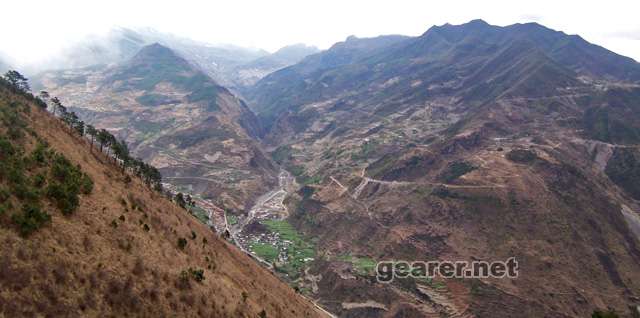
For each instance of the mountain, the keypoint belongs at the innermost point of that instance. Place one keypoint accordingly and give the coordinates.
(229, 65)
(249, 73)
(173, 115)
(121, 44)
(469, 142)
(472, 42)
(82, 237)
(273, 93)
(290, 54)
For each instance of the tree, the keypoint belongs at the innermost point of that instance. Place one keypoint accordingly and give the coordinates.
(17, 80)
(180, 200)
(79, 127)
(121, 151)
(155, 178)
(44, 97)
(70, 119)
(92, 132)
(104, 138)
(57, 106)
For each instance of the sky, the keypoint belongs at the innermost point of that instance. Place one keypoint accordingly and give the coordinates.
(32, 30)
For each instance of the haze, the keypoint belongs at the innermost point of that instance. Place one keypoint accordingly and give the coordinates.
(33, 30)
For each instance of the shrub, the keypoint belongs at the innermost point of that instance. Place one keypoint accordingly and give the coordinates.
(183, 280)
(39, 155)
(191, 273)
(197, 274)
(68, 182)
(6, 148)
(39, 180)
(182, 243)
(13, 169)
(604, 314)
(521, 155)
(86, 184)
(31, 219)
(65, 197)
(26, 193)
(455, 170)
(4, 194)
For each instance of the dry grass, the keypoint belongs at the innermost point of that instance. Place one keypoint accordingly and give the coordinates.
(83, 265)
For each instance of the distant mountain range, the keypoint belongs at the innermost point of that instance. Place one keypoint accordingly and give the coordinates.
(231, 66)
(249, 73)
(472, 142)
(441, 54)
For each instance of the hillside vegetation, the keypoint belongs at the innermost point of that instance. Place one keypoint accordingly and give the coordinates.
(83, 237)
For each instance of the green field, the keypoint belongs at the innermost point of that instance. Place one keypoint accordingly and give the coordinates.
(200, 214)
(266, 251)
(232, 219)
(299, 252)
(364, 266)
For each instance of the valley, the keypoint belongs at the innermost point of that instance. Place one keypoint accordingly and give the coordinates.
(468, 142)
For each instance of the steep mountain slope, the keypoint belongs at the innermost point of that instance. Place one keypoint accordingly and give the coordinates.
(176, 117)
(470, 142)
(281, 90)
(124, 250)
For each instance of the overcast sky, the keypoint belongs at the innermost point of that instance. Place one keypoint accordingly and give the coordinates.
(31, 30)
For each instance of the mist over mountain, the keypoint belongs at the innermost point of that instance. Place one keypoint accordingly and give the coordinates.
(230, 65)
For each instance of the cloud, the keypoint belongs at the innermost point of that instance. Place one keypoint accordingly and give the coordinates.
(53, 25)
(531, 17)
(632, 34)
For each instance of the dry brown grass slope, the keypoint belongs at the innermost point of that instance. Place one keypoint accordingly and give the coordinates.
(83, 265)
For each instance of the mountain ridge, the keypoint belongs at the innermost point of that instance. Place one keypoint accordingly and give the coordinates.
(469, 142)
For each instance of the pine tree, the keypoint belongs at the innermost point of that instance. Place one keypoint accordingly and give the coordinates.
(92, 132)
(180, 200)
(17, 80)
